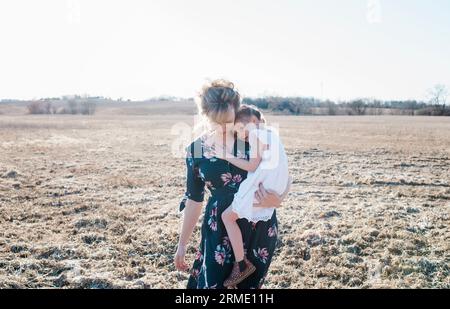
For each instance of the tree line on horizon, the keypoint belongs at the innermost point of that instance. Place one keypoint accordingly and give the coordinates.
(435, 106)
(313, 106)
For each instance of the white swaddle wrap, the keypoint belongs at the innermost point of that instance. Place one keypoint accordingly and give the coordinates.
(272, 172)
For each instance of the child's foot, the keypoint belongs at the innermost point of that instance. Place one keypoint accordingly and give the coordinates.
(239, 273)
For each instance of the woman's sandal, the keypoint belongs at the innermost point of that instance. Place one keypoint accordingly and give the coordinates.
(237, 276)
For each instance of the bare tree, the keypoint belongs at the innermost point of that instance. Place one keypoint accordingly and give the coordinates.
(331, 107)
(358, 106)
(438, 97)
(35, 107)
(87, 107)
(47, 108)
(40, 107)
(411, 106)
(72, 106)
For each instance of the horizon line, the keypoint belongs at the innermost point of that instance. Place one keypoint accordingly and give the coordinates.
(180, 98)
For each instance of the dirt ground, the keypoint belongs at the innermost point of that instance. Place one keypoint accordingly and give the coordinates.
(92, 202)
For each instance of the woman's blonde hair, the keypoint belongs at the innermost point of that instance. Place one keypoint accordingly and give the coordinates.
(217, 99)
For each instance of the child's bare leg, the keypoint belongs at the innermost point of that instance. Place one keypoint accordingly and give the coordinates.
(229, 218)
(242, 267)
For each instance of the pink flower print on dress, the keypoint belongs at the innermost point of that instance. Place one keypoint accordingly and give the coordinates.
(195, 273)
(209, 185)
(212, 221)
(226, 178)
(219, 255)
(262, 254)
(272, 231)
(226, 242)
(237, 178)
(198, 255)
(222, 254)
(231, 180)
(213, 226)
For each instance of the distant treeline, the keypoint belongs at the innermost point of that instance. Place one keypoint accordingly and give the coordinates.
(84, 105)
(313, 106)
(71, 106)
(87, 105)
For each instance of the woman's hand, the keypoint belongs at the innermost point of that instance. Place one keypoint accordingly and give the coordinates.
(190, 218)
(179, 260)
(268, 198)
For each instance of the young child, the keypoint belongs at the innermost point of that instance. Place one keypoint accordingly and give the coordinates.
(267, 165)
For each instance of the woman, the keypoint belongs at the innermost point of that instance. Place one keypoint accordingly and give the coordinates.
(214, 259)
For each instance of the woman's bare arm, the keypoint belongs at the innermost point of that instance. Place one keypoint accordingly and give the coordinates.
(191, 215)
(268, 198)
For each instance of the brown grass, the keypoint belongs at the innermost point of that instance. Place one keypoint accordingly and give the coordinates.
(92, 202)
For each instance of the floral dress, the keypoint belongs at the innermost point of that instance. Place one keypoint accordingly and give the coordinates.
(214, 258)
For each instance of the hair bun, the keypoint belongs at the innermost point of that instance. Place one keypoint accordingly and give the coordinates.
(222, 83)
(216, 99)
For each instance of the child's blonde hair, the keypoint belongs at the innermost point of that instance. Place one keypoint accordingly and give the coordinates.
(245, 113)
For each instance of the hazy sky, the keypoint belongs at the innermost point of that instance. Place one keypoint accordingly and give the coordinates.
(389, 49)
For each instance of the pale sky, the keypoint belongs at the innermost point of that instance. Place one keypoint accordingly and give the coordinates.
(338, 49)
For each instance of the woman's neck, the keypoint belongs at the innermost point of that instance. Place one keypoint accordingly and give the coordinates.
(225, 139)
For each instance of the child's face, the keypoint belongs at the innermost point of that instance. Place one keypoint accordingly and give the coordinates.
(241, 130)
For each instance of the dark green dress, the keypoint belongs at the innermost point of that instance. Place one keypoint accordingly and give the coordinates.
(214, 258)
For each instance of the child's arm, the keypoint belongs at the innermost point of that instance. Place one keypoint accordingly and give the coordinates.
(248, 165)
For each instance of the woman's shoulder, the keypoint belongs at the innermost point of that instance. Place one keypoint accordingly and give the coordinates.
(197, 147)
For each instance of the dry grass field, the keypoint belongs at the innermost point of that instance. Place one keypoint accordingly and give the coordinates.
(92, 202)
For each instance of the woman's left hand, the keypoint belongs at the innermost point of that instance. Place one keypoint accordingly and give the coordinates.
(179, 259)
(268, 199)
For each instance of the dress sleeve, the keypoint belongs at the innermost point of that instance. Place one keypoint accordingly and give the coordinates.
(195, 186)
